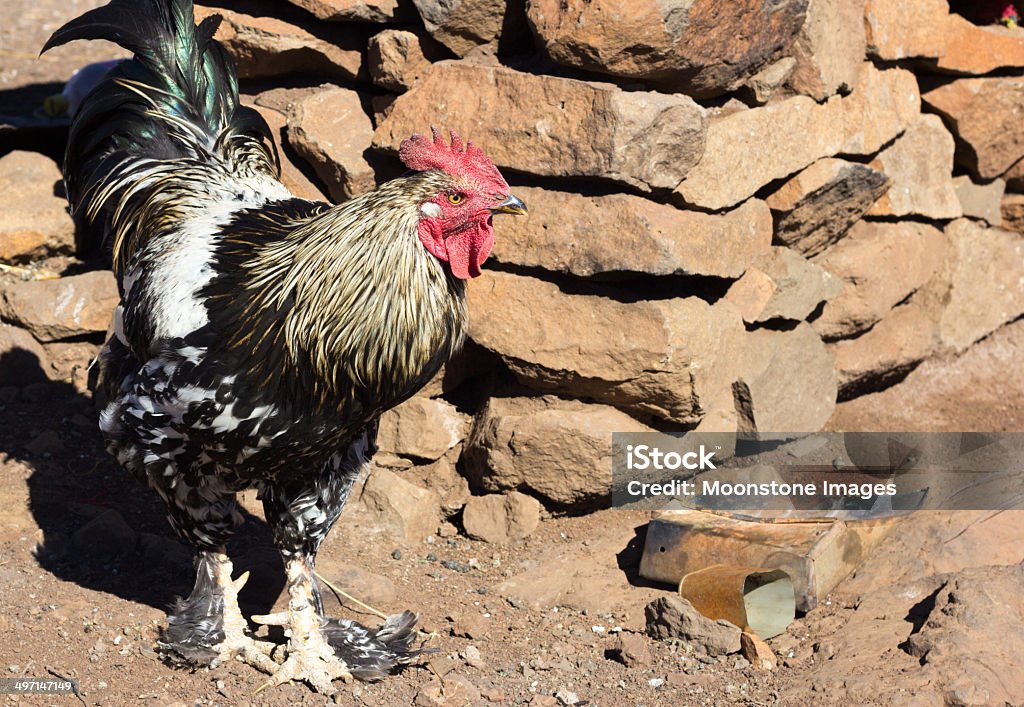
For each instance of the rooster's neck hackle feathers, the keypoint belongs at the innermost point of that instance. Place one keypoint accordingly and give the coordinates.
(360, 306)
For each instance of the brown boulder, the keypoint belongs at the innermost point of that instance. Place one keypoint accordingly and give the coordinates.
(66, 307)
(920, 165)
(670, 358)
(700, 47)
(748, 149)
(980, 390)
(645, 139)
(396, 59)
(980, 201)
(881, 265)
(787, 381)
(983, 116)
(564, 232)
(902, 30)
(829, 51)
(421, 428)
(34, 221)
(781, 284)
(462, 25)
(291, 175)
(357, 10)
(893, 346)
(1011, 209)
(330, 130)
(950, 43)
(979, 287)
(267, 46)
(400, 507)
(560, 450)
(501, 518)
(818, 206)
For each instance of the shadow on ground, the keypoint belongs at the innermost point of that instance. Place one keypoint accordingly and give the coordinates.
(101, 529)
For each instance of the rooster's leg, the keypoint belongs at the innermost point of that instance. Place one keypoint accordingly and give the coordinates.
(309, 656)
(208, 628)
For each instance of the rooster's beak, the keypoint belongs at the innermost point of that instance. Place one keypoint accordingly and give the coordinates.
(511, 205)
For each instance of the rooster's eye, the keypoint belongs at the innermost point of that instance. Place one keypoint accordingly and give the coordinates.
(455, 198)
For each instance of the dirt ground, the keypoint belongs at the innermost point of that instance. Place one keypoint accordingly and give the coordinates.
(88, 565)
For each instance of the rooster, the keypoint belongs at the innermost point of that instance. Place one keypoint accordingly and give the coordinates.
(259, 336)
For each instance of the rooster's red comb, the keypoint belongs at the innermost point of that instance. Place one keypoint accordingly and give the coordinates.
(420, 154)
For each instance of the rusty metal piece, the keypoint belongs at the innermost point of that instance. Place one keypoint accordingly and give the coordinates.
(754, 598)
(815, 555)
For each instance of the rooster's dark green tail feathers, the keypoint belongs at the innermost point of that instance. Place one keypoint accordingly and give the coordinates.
(177, 99)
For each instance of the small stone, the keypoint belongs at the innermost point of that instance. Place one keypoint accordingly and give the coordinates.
(566, 697)
(674, 617)
(632, 651)
(758, 652)
(471, 654)
(980, 201)
(501, 518)
(396, 554)
(405, 509)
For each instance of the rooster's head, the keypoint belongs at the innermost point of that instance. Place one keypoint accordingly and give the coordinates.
(455, 223)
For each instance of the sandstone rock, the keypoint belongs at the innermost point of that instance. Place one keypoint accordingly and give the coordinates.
(983, 116)
(266, 46)
(818, 206)
(955, 643)
(881, 264)
(980, 201)
(748, 149)
(330, 130)
(632, 650)
(674, 617)
(1012, 212)
(670, 358)
(291, 175)
(501, 518)
(927, 30)
(462, 25)
(767, 82)
(781, 285)
(700, 47)
(829, 51)
(66, 358)
(1014, 177)
(919, 163)
(422, 428)
(979, 288)
(759, 653)
(23, 360)
(397, 59)
(897, 343)
(980, 390)
(787, 382)
(34, 222)
(400, 507)
(882, 105)
(559, 449)
(66, 307)
(900, 30)
(563, 232)
(645, 139)
(357, 10)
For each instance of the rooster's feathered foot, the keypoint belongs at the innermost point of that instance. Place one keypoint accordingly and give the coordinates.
(321, 650)
(208, 628)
